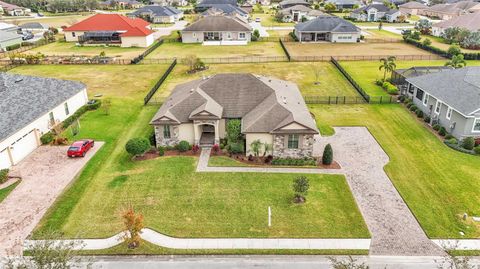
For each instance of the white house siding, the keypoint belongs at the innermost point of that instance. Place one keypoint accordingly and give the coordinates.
(186, 132)
(344, 38)
(69, 36)
(6, 43)
(25, 140)
(263, 137)
(137, 41)
(437, 31)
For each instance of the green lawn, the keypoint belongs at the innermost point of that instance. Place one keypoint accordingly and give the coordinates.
(268, 20)
(5, 191)
(181, 50)
(69, 48)
(332, 83)
(438, 183)
(380, 34)
(441, 44)
(223, 161)
(366, 72)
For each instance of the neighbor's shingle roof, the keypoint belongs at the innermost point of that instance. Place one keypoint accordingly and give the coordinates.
(414, 5)
(458, 88)
(265, 104)
(468, 21)
(34, 25)
(344, 2)
(209, 3)
(160, 11)
(24, 99)
(218, 23)
(327, 24)
(5, 36)
(455, 9)
(293, 2)
(225, 9)
(379, 7)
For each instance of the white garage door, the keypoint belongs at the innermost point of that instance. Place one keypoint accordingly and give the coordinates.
(21, 148)
(4, 160)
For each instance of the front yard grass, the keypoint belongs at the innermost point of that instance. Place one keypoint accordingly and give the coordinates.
(62, 48)
(223, 161)
(181, 50)
(6, 191)
(438, 184)
(332, 82)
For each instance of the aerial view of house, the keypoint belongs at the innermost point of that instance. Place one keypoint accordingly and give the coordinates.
(327, 28)
(470, 22)
(271, 110)
(375, 12)
(290, 3)
(111, 29)
(13, 10)
(218, 30)
(206, 4)
(449, 11)
(30, 107)
(299, 13)
(158, 14)
(34, 27)
(412, 8)
(171, 3)
(226, 10)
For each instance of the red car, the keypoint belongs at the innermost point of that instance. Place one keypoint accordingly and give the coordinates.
(80, 148)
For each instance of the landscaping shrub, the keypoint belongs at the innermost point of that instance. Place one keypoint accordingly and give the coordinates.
(401, 98)
(419, 113)
(137, 146)
(300, 187)
(477, 150)
(234, 130)
(13, 47)
(379, 82)
(196, 148)
(449, 136)
(294, 161)
(235, 148)
(93, 106)
(183, 146)
(451, 141)
(161, 151)
(413, 108)
(215, 149)
(3, 175)
(409, 104)
(47, 138)
(436, 127)
(327, 157)
(442, 131)
(468, 143)
(426, 119)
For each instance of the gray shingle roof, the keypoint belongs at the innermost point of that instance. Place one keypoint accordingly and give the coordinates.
(469, 21)
(414, 5)
(344, 2)
(265, 104)
(458, 88)
(24, 99)
(293, 2)
(159, 11)
(224, 9)
(5, 36)
(34, 25)
(218, 23)
(209, 3)
(379, 7)
(332, 24)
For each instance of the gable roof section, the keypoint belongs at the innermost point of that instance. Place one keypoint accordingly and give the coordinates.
(113, 22)
(458, 88)
(210, 3)
(161, 11)
(413, 5)
(5, 36)
(332, 24)
(379, 7)
(218, 23)
(469, 21)
(23, 99)
(225, 9)
(34, 25)
(455, 9)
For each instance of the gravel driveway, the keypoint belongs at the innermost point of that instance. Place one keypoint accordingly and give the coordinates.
(45, 173)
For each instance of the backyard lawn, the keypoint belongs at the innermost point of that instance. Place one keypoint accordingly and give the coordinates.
(268, 20)
(379, 34)
(181, 50)
(354, 49)
(441, 44)
(438, 183)
(332, 83)
(69, 48)
(366, 72)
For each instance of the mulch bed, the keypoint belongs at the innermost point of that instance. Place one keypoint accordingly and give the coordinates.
(153, 154)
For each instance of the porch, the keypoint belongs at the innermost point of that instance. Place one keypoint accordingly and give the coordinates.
(314, 37)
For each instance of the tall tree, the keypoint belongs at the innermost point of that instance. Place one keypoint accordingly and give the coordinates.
(388, 65)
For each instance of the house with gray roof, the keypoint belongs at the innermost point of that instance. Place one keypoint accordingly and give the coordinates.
(34, 27)
(271, 110)
(470, 22)
(412, 8)
(327, 28)
(451, 98)
(207, 4)
(30, 106)
(158, 14)
(450, 11)
(226, 10)
(290, 3)
(299, 13)
(218, 30)
(345, 4)
(375, 12)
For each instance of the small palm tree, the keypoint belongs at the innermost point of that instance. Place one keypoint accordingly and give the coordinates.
(388, 65)
(256, 145)
(457, 61)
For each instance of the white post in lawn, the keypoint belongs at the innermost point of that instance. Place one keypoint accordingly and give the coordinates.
(269, 217)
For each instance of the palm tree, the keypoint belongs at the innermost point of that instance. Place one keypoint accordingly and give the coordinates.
(388, 65)
(457, 61)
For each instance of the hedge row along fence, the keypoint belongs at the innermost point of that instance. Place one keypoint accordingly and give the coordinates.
(159, 82)
(440, 52)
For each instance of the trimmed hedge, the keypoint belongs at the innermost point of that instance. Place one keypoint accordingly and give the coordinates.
(294, 162)
(137, 146)
(3, 175)
(468, 143)
(47, 138)
(13, 47)
(183, 146)
(68, 121)
(477, 150)
(236, 148)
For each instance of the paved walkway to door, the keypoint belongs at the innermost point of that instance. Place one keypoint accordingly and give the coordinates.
(45, 173)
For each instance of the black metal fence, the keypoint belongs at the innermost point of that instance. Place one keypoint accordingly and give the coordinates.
(159, 82)
(285, 49)
(333, 100)
(140, 57)
(364, 58)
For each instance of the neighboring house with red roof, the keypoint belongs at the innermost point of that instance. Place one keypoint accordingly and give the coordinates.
(112, 29)
(13, 10)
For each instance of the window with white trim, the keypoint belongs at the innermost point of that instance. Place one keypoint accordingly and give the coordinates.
(449, 113)
(438, 105)
(425, 99)
(241, 35)
(476, 126)
(73, 34)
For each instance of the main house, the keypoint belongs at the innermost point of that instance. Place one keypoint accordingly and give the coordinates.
(226, 10)
(375, 12)
(327, 28)
(271, 110)
(218, 30)
(158, 14)
(451, 98)
(412, 8)
(111, 29)
(299, 13)
(31, 106)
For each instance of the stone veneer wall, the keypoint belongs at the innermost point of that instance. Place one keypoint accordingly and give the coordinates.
(172, 141)
(305, 148)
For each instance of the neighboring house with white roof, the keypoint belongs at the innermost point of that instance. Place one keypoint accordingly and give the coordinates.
(327, 28)
(271, 110)
(375, 12)
(13, 10)
(30, 107)
(158, 14)
(470, 22)
(451, 98)
(298, 13)
(450, 11)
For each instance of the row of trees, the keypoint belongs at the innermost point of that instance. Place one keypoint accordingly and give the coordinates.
(58, 6)
(465, 38)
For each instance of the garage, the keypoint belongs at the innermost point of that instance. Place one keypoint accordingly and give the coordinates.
(4, 160)
(23, 146)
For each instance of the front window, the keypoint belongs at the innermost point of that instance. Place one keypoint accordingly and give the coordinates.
(67, 112)
(476, 125)
(293, 141)
(425, 100)
(411, 88)
(449, 113)
(73, 34)
(166, 131)
(419, 94)
(438, 105)
(241, 35)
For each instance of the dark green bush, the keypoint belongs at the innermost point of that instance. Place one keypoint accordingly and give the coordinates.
(3, 175)
(327, 157)
(449, 136)
(47, 138)
(419, 113)
(413, 108)
(468, 143)
(451, 141)
(426, 119)
(477, 150)
(95, 105)
(235, 148)
(401, 98)
(13, 47)
(408, 104)
(442, 131)
(436, 127)
(183, 146)
(161, 151)
(137, 146)
(294, 162)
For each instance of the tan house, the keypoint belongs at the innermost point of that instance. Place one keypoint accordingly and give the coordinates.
(271, 110)
(299, 13)
(470, 22)
(450, 11)
(412, 8)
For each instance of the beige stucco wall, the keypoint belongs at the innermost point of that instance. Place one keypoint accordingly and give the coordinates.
(263, 137)
(70, 38)
(293, 126)
(221, 129)
(137, 41)
(185, 132)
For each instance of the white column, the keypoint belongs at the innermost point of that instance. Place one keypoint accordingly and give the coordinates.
(217, 137)
(196, 137)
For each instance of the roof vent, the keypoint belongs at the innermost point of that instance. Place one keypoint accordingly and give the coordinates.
(18, 80)
(284, 100)
(192, 90)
